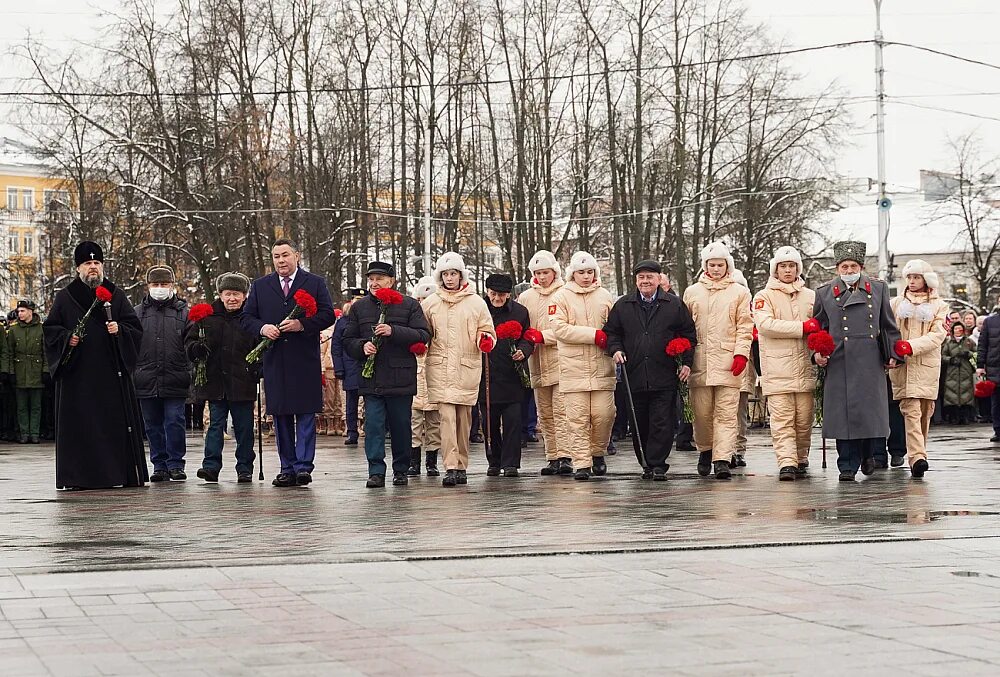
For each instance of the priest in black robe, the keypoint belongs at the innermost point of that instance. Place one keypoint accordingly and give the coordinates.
(98, 434)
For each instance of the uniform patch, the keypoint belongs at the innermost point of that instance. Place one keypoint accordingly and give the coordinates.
(552, 310)
(759, 304)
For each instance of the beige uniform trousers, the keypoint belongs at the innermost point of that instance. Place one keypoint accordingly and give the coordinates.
(589, 418)
(425, 429)
(791, 427)
(552, 421)
(456, 423)
(715, 420)
(917, 416)
(743, 422)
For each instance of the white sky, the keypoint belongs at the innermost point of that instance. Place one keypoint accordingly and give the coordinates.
(916, 138)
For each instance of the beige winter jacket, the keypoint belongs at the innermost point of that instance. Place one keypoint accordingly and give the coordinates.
(580, 312)
(453, 362)
(779, 311)
(721, 313)
(543, 364)
(921, 322)
(420, 402)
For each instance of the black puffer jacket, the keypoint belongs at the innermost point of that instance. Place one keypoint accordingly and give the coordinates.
(163, 369)
(505, 380)
(988, 356)
(226, 346)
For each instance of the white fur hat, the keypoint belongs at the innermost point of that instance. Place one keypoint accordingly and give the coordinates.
(450, 261)
(921, 267)
(424, 287)
(717, 250)
(740, 278)
(783, 255)
(544, 260)
(582, 261)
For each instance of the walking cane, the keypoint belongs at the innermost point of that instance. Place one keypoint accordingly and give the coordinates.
(487, 424)
(824, 452)
(640, 453)
(260, 436)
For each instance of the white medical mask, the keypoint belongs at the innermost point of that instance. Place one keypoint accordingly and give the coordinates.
(851, 279)
(160, 293)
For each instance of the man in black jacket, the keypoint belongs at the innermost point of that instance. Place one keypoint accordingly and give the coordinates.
(988, 364)
(231, 384)
(508, 361)
(162, 374)
(389, 393)
(639, 327)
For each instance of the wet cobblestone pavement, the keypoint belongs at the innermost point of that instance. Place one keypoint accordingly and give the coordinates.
(883, 576)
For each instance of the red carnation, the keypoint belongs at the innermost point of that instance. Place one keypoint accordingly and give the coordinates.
(103, 295)
(510, 330)
(418, 348)
(678, 346)
(388, 297)
(199, 312)
(985, 389)
(533, 335)
(338, 313)
(306, 302)
(821, 342)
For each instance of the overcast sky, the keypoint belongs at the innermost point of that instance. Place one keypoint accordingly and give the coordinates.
(916, 137)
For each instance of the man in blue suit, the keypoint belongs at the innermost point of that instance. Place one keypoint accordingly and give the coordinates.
(292, 372)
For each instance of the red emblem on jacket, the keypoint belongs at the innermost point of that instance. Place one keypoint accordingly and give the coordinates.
(552, 310)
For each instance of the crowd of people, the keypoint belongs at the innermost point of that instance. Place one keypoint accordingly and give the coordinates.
(423, 372)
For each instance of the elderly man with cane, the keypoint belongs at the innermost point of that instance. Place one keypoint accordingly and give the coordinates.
(639, 328)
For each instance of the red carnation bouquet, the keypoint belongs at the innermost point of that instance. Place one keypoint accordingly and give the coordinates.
(385, 298)
(102, 295)
(418, 348)
(820, 342)
(305, 304)
(675, 349)
(985, 388)
(511, 331)
(199, 312)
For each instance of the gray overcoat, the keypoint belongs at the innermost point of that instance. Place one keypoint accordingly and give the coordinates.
(855, 395)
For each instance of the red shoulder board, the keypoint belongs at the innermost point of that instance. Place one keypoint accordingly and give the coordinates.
(868, 286)
(836, 290)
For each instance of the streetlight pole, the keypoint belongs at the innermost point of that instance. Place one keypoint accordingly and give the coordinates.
(883, 205)
(428, 150)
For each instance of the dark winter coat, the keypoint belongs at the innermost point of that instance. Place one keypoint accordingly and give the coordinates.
(26, 354)
(224, 348)
(959, 372)
(643, 336)
(345, 368)
(292, 367)
(988, 357)
(395, 366)
(505, 379)
(163, 369)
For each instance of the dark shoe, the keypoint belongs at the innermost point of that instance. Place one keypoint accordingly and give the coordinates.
(611, 449)
(432, 464)
(462, 477)
(177, 475)
(995, 438)
(414, 469)
(285, 479)
(493, 472)
(722, 471)
(450, 478)
(647, 473)
(244, 478)
(510, 472)
(23, 439)
(704, 463)
(600, 465)
(476, 438)
(846, 477)
(351, 441)
(788, 473)
(303, 478)
(33, 440)
(552, 468)
(880, 464)
(897, 461)
(740, 461)
(208, 475)
(919, 468)
(659, 474)
(159, 476)
(685, 446)
(582, 474)
(565, 466)
(400, 480)
(801, 470)
(532, 438)
(375, 482)
(868, 466)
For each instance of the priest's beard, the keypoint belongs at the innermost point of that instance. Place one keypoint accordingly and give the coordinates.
(93, 280)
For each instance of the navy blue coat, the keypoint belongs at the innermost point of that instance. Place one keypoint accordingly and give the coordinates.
(292, 368)
(395, 366)
(345, 367)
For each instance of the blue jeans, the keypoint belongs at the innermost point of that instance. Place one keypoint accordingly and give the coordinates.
(295, 435)
(164, 421)
(529, 416)
(850, 453)
(394, 413)
(242, 430)
(351, 412)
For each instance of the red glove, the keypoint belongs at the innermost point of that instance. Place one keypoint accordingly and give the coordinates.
(486, 343)
(739, 364)
(809, 326)
(755, 333)
(322, 380)
(903, 348)
(601, 339)
(533, 335)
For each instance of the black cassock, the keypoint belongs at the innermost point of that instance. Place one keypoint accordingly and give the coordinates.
(98, 438)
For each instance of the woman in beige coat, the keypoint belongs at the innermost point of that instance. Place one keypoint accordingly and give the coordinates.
(586, 372)
(425, 420)
(720, 309)
(543, 365)
(783, 312)
(920, 314)
(461, 330)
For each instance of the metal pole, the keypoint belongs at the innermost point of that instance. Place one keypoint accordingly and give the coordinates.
(883, 201)
(428, 149)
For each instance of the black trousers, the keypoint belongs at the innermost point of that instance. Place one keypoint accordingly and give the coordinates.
(896, 442)
(504, 449)
(621, 425)
(655, 413)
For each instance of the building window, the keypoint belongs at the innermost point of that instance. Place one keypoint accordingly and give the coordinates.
(28, 243)
(12, 198)
(55, 200)
(12, 243)
(28, 199)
